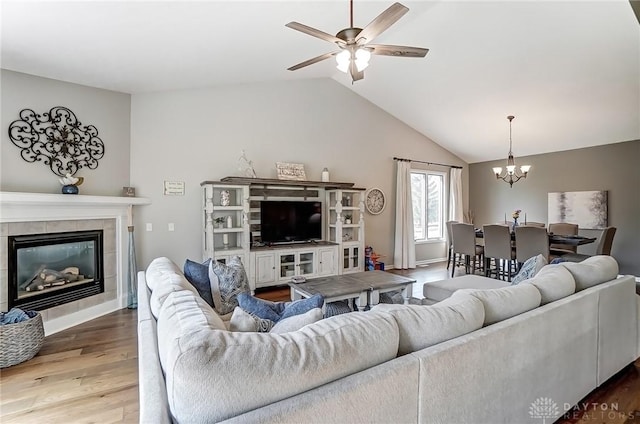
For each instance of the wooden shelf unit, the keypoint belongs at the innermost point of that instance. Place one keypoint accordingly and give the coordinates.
(342, 250)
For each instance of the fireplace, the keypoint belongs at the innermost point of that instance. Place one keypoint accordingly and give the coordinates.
(51, 269)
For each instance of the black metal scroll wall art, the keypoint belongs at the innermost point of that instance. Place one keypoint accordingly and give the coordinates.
(57, 139)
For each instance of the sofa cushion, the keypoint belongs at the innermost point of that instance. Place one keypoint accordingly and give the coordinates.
(213, 375)
(165, 284)
(529, 269)
(296, 322)
(227, 281)
(183, 313)
(592, 271)
(243, 321)
(157, 268)
(500, 304)
(424, 326)
(553, 282)
(198, 275)
(440, 290)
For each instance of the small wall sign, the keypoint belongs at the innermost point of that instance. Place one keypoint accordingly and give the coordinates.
(129, 191)
(290, 171)
(174, 188)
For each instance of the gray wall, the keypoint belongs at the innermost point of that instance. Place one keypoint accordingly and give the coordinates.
(612, 167)
(108, 111)
(197, 135)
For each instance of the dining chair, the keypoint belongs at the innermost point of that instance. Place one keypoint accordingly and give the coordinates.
(564, 229)
(535, 224)
(604, 246)
(531, 241)
(449, 241)
(497, 246)
(465, 248)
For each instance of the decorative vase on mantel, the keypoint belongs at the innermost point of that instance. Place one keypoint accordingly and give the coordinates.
(70, 184)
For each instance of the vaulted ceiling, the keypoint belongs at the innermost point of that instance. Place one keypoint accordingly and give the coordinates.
(569, 71)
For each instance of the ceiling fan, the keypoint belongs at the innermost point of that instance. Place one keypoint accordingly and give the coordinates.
(354, 48)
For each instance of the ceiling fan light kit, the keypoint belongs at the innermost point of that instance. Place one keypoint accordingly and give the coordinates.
(511, 174)
(355, 52)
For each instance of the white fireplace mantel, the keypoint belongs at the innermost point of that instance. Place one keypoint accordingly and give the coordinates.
(18, 207)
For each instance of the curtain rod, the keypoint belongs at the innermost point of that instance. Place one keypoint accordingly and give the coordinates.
(428, 163)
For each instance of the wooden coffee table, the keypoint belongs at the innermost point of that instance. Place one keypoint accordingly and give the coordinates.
(363, 287)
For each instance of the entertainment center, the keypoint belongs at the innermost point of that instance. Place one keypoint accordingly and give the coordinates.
(281, 228)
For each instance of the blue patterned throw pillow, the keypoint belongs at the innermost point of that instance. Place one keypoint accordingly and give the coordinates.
(558, 261)
(276, 311)
(227, 282)
(529, 269)
(198, 275)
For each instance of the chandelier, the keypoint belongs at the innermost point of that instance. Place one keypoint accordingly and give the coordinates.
(511, 174)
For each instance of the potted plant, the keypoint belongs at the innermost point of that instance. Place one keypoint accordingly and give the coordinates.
(347, 218)
(219, 221)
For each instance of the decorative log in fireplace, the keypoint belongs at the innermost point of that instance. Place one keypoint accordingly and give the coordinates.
(47, 270)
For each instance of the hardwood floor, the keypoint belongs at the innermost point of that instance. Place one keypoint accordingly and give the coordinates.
(86, 374)
(89, 374)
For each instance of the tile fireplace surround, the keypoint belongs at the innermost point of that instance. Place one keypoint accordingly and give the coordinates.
(33, 213)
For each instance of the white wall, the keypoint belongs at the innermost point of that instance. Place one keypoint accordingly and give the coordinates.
(108, 111)
(197, 135)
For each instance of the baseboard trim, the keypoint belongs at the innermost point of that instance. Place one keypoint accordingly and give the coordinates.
(56, 325)
(420, 263)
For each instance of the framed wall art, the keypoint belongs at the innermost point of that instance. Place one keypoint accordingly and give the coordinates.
(588, 209)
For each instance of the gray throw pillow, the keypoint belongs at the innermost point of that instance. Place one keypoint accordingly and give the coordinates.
(227, 281)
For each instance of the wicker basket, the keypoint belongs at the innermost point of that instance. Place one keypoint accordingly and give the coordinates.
(21, 341)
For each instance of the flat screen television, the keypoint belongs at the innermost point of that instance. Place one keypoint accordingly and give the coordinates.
(290, 221)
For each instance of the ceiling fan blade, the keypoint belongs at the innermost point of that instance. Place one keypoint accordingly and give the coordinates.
(313, 60)
(399, 51)
(355, 75)
(382, 22)
(314, 32)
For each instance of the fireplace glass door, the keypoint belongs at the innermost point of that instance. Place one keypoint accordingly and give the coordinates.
(47, 270)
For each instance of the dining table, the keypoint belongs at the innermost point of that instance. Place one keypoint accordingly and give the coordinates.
(554, 238)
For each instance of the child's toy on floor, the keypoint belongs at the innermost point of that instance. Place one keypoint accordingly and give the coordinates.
(371, 260)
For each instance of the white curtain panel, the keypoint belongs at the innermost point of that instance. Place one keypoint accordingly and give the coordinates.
(404, 255)
(456, 212)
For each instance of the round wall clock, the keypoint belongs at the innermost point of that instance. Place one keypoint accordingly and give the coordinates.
(374, 201)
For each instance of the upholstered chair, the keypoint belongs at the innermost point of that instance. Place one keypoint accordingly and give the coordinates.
(531, 241)
(535, 224)
(563, 229)
(449, 241)
(497, 246)
(604, 246)
(465, 249)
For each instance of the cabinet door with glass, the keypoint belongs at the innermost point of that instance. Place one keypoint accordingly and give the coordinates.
(351, 258)
(295, 263)
(306, 263)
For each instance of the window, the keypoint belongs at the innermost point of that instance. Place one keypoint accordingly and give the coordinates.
(428, 192)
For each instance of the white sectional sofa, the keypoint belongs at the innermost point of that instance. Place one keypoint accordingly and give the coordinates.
(478, 356)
